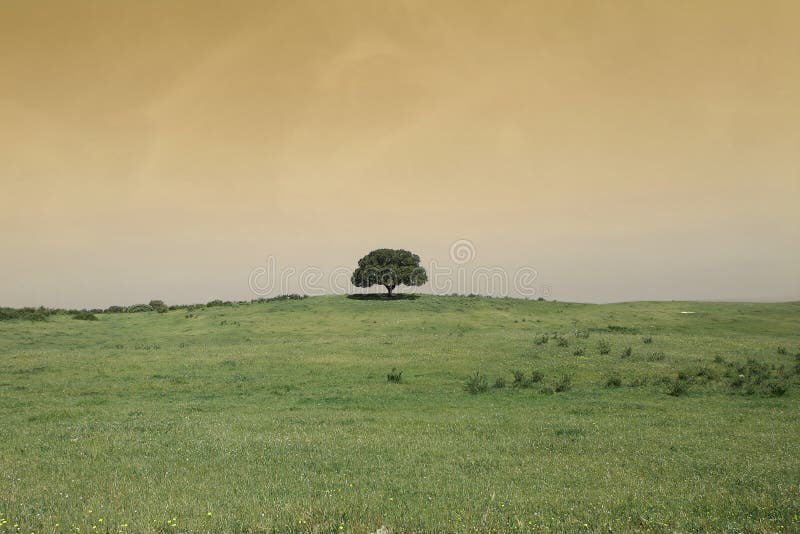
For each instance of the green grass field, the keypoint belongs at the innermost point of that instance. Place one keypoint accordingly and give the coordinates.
(279, 417)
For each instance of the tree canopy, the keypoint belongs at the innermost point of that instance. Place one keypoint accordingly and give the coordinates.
(389, 268)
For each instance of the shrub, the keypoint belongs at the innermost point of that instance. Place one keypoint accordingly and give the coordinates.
(782, 351)
(677, 387)
(656, 357)
(290, 296)
(613, 380)
(546, 390)
(563, 384)
(521, 381)
(394, 376)
(114, 309)
(647, 340)
(582, 334)
(755, 377)
(519, 378)
(578, 352)
(536, 376)
(28, 314)
(216, 302)
(139, 308)
(737, 382)
(476, 384)
(500, 383)
(84, 316)
(705, 374)
(626, 353)
(562, 342)
(541, 340)
(622, 329)
(603, 347)
(719, 360)
(774, 388)
(158, 305)
(755, 370)
(638, 382)
(37, 315)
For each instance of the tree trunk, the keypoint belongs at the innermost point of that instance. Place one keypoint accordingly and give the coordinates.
(389, 289)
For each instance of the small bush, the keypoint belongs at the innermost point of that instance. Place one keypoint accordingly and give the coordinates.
(782, 351)
(626, 353)
(139, 308)
(562, 342)
(536, 376)
(290, 296)
(638, 381)
(519, 378)
(719, 360)
(579, 351)
(84, 316)
(774, 388)
(541, 340)
(737, 382)
(547, 390)
(647, 340)
(603, 347)
(755, 377)
(500, 383)
(394, 376)
(563, 384)
(521, 381)
(476, 384)
(657, 357)
(613, 380)
(704, 375)
(622, 329)
(678, 387)
(755, 370)
(582, 334)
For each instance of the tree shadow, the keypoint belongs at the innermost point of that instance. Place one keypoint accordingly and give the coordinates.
(383, 296)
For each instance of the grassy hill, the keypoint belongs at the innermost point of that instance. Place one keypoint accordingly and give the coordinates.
(279, 417)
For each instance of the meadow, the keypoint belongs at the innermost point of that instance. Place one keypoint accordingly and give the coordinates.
(420, 413)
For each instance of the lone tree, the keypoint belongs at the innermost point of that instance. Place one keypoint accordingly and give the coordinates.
(389, 268)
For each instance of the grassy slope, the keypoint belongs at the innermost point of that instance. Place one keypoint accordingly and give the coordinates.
(279, 416)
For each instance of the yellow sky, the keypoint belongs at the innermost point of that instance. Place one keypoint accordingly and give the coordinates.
(623, 149)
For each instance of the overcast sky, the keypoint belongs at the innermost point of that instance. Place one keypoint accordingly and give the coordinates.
(623, 150)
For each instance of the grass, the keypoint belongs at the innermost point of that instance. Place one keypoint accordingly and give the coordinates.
(278, 416)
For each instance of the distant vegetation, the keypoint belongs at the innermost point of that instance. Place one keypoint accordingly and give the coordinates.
(42, 313)
(28, 314)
